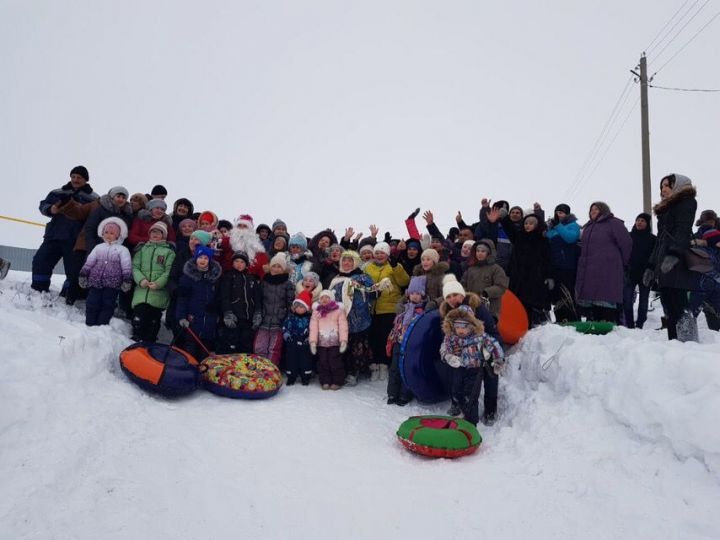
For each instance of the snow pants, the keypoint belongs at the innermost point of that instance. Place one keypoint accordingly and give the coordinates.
(330, 366)
(235, 340)
(100, 305)
(268, 343)
(466, 387)
(298, 361)
(46, 259)
(395, 387)
(146, 322)
(379, 331)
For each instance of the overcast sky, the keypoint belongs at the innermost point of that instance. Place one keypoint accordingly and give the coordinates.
(349, 113)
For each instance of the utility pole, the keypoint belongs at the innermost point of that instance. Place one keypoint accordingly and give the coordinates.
(645, 128)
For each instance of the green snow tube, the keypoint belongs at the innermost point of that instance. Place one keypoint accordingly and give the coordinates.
(439, 436)
(598, 328)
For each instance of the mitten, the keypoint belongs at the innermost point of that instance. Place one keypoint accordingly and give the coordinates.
(343, 347)
(648, 277)
(313, 348)
(668, 263)
(184, 323)
(83, 282)
(229, 319)
(498, 367)
(453, 361)
(126, 286)
(414, 214)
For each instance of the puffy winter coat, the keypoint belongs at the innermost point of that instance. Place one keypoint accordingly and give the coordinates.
(353, 290)
(389, 298)
(140, 230)
(564, 248)
(487, 278)
(92, 214)
(278, 294)
(240, 293)
(434, 283)
(643, 244)
(109, 265)
(61, 227)
(196, 298)
(605, 251)
(481, 312)
(296, 328)
(299, 266)
(153, 262)
(330, 329)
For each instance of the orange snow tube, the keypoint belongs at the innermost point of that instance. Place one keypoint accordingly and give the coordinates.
(513, 322)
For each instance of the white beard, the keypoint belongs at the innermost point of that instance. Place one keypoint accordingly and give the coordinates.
(246, 240)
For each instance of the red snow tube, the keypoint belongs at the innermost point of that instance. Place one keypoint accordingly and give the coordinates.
(161, 369)
(513, 321)
(439, 436)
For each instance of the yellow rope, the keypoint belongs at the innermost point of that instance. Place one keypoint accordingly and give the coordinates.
(23, 221)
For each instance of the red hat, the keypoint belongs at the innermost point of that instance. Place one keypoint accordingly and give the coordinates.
(245, 219)
(304, 298)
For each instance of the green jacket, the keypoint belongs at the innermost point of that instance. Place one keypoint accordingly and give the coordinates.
(153, 262)
(388, 299)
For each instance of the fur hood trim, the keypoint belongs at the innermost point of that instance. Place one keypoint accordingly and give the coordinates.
(686, 192)
(106, 203)
(213, 273)
(471, 299)
(459, 314)
(145, 215)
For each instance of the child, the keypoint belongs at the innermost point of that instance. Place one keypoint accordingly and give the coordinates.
(311, 283)
(196, 308)
(151, 271)
(484, 276)
(329, 339)
(412, 306)
(278, 294)
(474, 357)
(241, 304)
(296, 333)
(108, 270)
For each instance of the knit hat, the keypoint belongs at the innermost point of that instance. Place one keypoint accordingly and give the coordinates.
(82, 171)
(452, 286)
(158, 190)
(412, 243)
(483, 246)
(417, 285)
(298, 240)
(279, 259)
(156, 203)
(204, 237)
(117, 190)
(468, 243)
(188, 221)
(278, 223)
(313, 276)
(646, 217)
(350, 254)
(241, 255)
(204, 250)
(335, 247)
(432, 254)
(224, 224)
(246, 220)
(328, 293)
(382, 246)
(139, 197)
(366, 247)
(562, 208)
(304, 298)
(159, 225)
(207, 216)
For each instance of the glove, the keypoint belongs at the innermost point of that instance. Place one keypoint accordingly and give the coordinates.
(126, 286)
(550, 282)
(498, 367)
(184, 323)
(257, 320)
(453, 361)
(83, 282)
(313, 348)
(648, 277)
(229, 319)
(388, 237)
(414, 214)
(668, 263)
(343, 347)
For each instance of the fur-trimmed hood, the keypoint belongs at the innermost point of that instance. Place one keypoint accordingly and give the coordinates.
(686, 191)
(106, 202)
(213, 273)
(491, 258)
(471, 299)
(461, 313)
(117, 221)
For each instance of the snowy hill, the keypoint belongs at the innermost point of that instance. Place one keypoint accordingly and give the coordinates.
(599, 437)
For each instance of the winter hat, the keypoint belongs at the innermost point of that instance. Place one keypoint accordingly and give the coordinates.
(562, 208)
(531, 218)
(112, 226)
(483, 246)
(366, 247)
(382, 246)
(279, 259)
(468, 243)
(313, 276)
(328, 293)
(204, 237)
(304, 298)
(186, 202)
(119, 224)
(522, 212)
(417, 285)
(334, 247)
(246, 220)
(646, 217)
(412, 243)
(207, 215)
(262, 227)
(298, 240)
(350, 254)
(706, 215)
(139, 197)
(82, 171)
(156, 203)
(431, 254)
(241, 255)
(188, 221)
(224, 224)
(158, 190)
(204, 250)
(159, 225)
(278, 223)
(452, 286)
(118, 190)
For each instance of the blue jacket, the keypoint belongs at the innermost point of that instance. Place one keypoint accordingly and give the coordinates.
(296, 328)
(564, 248)
(196, 298)
(60, 227)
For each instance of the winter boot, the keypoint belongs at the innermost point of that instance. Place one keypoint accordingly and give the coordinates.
(137, 329)
(382, 372)
(305, 380)
(374, 372)
(454, 409)
(351, 380)
(686, 328)
(290, 380)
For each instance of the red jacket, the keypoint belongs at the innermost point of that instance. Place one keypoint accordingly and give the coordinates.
(140, 230)
(224, 254)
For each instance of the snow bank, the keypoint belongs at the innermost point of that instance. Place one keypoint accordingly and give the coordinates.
(604, 437)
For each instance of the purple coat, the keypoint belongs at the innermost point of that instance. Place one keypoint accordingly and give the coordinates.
(108, 265)
(605, 252)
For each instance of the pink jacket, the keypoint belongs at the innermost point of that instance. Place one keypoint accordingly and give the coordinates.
(330, 330)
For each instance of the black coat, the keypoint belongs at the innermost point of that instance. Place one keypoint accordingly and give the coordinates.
(241, 294)
(529, 268)
(105, 210)
(642, 248)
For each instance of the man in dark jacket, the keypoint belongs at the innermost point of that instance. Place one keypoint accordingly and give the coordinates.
(61, 233)
(643, 244)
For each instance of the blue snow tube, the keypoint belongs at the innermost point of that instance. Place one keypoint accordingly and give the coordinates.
(161, 369)
(421, 369)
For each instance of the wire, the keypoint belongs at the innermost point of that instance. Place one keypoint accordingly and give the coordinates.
(647, 49)
(685, 89)
(681, 30)
(688, 42)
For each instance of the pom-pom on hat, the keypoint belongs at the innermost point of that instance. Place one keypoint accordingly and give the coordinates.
(304, 298)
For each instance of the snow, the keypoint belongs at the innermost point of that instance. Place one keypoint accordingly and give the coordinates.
(599, 437)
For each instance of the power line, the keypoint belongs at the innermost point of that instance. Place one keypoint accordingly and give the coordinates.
(688, 42)
(684, 89)
(647, 49)
(681, 30)
(675, 25)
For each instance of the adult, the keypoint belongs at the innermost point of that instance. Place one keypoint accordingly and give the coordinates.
(409, 258)
(563, 234)
(643, 244)
(113, 204)
(330, 267)
(182, 209)
(138, 202)
(484, 277)
(605, 247)
(153, 213)
(675, 214)
(703, 299)
(61, 233)
(243, 237)
(497, 226)
(300, 259)
(158, 192)
(320, 243)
